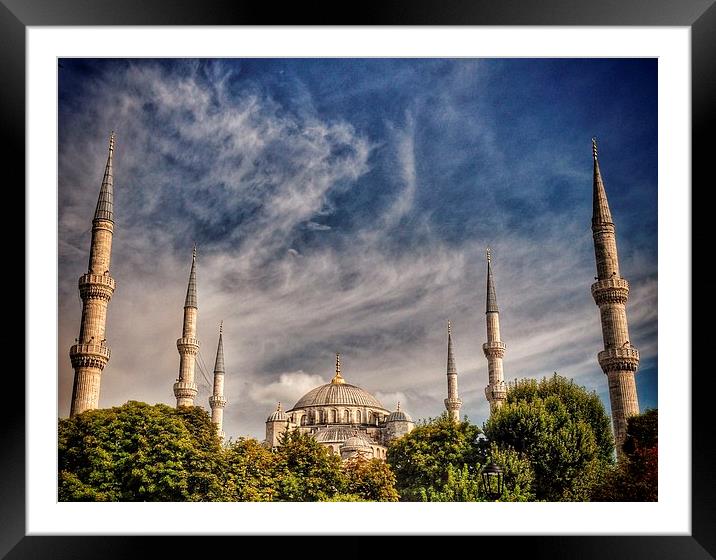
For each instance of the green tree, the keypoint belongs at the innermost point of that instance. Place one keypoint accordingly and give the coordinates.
(306, 470)
(370, 480)
(636, 477)
(517, 472)
(461, 485)
(421, 459)
(138, 452)
(579, 403)
(562, 429)
(252, 470)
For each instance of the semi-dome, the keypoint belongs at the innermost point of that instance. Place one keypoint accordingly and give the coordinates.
(333, 434)
(358, 442)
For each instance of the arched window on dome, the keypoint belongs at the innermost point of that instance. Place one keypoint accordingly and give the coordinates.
(358, 417)
(303, 419)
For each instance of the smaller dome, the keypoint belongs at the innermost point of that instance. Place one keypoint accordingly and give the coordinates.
(398, 416)
(278, 415)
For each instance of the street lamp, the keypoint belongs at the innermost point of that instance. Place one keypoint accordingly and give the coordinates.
(493, 481)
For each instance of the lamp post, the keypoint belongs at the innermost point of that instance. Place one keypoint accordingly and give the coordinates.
(493, 481)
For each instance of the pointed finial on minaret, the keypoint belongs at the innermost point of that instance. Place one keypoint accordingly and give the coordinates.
(451, 369)
(219, 364)
(601, 214)
(337, 378)
(191, 299)
(491, 306)
(105, 202)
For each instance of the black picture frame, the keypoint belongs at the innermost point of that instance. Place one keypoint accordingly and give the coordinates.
(699, 15)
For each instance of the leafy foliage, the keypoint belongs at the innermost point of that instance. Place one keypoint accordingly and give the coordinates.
(421, 459)
(561, 429)
(306, 470)
(138, 452)
(251, 472)
(636, 476)
(518, 474)
(371, 479)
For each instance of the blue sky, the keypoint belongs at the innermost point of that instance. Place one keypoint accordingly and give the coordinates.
(345, 205)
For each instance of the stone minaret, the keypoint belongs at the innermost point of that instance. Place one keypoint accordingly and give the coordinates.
(185, 388)
(494, 348)
(619, 359)
(453, 402)
(217, 402)
(91, 353)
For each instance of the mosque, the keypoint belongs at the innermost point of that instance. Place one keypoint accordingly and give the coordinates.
(347, 419)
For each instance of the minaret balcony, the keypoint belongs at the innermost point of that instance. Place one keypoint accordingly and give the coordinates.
(96, 286)
(453, 404)
(495, 349)
(496, 391)
(184, 390)
(188, 343)
(216, 401)
(89, 355)
(619, 359)
(610, 290)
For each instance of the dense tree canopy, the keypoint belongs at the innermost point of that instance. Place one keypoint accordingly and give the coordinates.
(421, 460)
(138, 452)
(561, 429)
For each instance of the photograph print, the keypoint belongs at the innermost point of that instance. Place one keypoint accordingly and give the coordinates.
(351, 280)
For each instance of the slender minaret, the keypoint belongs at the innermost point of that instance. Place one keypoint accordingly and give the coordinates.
(619, 359)
(217, 402)
(494, 348)
(90, 354)
(453, 402)
(185, 389)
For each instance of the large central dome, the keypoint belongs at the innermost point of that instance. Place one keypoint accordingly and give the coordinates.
(338, 394)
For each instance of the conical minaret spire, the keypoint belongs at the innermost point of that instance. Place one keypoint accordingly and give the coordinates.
(619, 360)
(494, 348)
(105, 202)
(185, 389)
(217, 402)
(191, 300)
(90, 354)
(452, 402)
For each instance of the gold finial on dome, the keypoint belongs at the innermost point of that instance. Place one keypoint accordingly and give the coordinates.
(337, 379)
(278, 408)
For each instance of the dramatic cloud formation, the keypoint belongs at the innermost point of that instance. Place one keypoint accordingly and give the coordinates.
(345, 205)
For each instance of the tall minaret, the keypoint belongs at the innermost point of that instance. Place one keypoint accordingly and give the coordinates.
(217, 402)
(619, 359)
(494, 348)
(91, 353)
(453, 402)
(185, 389)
